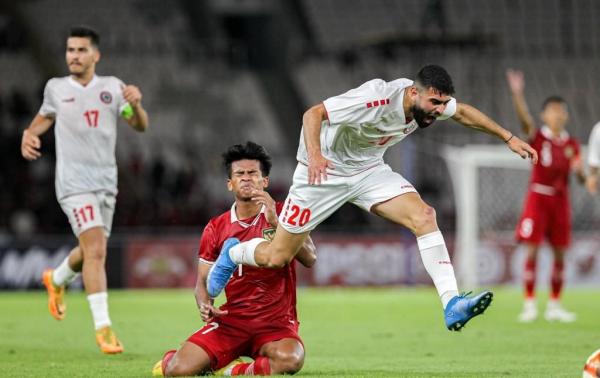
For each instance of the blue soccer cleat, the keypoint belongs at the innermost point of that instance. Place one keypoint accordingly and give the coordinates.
(222, 269)
(462, 308)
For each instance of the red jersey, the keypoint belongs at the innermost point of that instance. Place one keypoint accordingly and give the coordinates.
(255, 293)
(551, 175)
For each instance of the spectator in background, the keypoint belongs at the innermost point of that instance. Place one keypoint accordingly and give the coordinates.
(593, 160)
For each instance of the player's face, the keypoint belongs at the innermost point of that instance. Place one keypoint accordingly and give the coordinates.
(246, 177)
(555, 115)
(429, 105)
(81, 55)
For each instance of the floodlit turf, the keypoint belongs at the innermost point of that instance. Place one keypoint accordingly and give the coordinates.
(347, 332)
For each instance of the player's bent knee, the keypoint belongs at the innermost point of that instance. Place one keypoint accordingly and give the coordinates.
(288, 363)
(424, 221)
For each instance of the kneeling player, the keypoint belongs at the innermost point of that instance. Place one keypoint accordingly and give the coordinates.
(259, 319)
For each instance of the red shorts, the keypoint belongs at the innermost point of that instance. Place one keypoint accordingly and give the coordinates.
(227, 338)
(545, 216)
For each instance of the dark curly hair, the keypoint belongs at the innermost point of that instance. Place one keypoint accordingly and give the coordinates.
(249, 151)
(436, 77)
(85, 31)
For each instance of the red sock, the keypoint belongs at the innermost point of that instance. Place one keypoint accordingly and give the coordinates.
(557, 280)
(529, 278)
(166, 359)
(260, 366)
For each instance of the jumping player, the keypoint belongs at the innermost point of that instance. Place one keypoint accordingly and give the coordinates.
(259, 319)
(340, 159)
(85, 109)
(547, 212)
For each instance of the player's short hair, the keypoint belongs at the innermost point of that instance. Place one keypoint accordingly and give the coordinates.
(554, 99)
(248, 151)
(436, 77)
(85, 31)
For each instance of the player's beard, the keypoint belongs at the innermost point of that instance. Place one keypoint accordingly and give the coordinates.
(421, 117)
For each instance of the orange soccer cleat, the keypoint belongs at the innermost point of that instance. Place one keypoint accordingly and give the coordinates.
(107, 341)
(56, 304)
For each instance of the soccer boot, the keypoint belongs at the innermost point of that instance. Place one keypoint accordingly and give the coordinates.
(462, 308)
(227, 369)
(529, 313)
(56, 303)
(222, 269)
(107, 341)
(555, 312)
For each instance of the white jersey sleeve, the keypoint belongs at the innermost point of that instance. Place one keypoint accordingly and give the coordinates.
(594, 147)
(360, 104)
(48, 108)
(449, 111)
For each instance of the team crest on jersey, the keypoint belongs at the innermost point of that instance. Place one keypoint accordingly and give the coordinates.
(105, 97)
(268, 233)
(569, 152)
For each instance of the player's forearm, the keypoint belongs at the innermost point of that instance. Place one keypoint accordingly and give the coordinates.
(471, 117)
(525, 118)
(39, 125)
(311, 122)
(139, 120)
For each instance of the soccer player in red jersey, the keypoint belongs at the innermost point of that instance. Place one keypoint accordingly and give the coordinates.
(547, 212)
(259, 319)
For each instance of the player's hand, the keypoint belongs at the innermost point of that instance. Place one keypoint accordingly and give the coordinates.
(317, 169)
(208, 311)
(523, 149)
(591, 184)
(132, 94)
(30, 145)
(515, 79)
(263, 198)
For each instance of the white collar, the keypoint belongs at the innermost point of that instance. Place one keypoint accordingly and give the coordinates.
(233, 217)
(564, 135)
(77, 84)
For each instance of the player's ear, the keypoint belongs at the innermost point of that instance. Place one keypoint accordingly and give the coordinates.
(229, 185)
(96, 55)
(265, 182)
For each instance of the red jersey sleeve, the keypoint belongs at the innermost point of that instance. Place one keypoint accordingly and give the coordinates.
(208, 249)
(278, 207)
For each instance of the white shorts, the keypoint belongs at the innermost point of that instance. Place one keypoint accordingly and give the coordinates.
(89, 210)
(308, 205)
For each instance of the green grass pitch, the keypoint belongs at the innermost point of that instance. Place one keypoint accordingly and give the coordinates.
(386, 332)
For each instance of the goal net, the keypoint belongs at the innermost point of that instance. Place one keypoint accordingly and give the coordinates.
(490, 185)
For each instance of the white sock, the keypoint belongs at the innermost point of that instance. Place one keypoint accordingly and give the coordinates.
(243, 253)
(437, 263)
(63, 274)
(99, 308)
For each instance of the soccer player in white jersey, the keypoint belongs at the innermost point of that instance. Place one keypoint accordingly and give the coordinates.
(85, 110)
(340, 159)
(593, 160)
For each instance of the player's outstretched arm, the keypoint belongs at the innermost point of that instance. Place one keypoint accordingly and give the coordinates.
(473, 118)
(137, 117)
(516, 82)
(30, 142)
(591, 182)
(203, 300)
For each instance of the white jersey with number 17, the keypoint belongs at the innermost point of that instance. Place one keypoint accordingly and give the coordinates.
(363, 123)
(85, 132)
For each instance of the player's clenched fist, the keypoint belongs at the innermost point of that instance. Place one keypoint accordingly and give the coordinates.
(132, 94)
(30, 145)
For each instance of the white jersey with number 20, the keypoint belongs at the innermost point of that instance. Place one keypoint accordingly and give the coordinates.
(363, 123)
(85, 132)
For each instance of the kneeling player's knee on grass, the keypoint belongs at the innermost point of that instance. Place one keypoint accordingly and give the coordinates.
(178, 368)
(287, 363)
(423, 221)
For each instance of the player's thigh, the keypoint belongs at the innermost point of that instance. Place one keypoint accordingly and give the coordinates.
(190, 359)
(533, 223)
(559, 227)
(308, 205)
(223, 341)
(83, 211)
